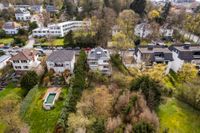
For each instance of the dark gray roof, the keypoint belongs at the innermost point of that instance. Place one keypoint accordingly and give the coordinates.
(98, 53)
(154, 50)
(186, 52)
(61, 56)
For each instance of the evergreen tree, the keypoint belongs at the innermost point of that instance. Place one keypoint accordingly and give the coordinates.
(138, 6)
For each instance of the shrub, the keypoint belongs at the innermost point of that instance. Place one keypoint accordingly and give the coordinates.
(29, 80)
(117, 62)
(150, 88)
(143, 127)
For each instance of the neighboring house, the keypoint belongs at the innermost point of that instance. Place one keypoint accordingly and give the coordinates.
(38, 18)
(99, 59)
(166, 31)
(37, 8)
(22, 14)
(61, 60)
(59, 29)
(11, 28)
(153, 54)
(4, 60)
(22, 6)
(51, 9)
(143, 30)
(25, 60)
(185, 54)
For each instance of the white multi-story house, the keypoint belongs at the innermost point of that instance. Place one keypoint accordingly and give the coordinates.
(185, 54)
(25, 60)
(22, 14)
(61, 60)
(99, 59)
(11, 28)
(143, 30)
(59, 29)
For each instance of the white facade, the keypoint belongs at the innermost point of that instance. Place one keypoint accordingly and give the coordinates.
(24, 61)
(99, 59)
(22, 15)
(166, 32)
(142, 30)
(60, 67)
(177, 63)
(11, 28)
(3, 61)
(60, 29)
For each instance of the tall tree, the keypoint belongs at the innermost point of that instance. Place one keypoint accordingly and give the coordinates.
(138, 6)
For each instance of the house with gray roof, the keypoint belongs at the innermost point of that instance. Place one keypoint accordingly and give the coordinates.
(185, 53)
(22, 14)
(153, 54)
(99, 59)
(61, 60)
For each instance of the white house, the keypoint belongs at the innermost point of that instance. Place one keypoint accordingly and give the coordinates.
(185, 54)
(25, 60)
(61, 60)
(11, 28)
(22, 14)
(143, 30)
(59, 29)
(99, 59)
(3, 60)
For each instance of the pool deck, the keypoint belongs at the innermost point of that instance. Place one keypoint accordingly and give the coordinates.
(56, 90)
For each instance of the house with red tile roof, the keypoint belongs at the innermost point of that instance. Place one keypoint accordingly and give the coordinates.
(25, 60)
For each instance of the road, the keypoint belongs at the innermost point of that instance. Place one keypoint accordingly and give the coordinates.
(30, 43)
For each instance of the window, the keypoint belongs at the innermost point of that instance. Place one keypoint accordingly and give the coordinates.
(25, 67)
(17, 67)
(23, 61)
(16, 61)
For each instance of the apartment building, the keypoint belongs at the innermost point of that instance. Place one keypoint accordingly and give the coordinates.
(59, 29)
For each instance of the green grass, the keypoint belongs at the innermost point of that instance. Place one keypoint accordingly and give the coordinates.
(55, 42)
(40, 120)
(9, 93)
(6, 41)
(178, 117)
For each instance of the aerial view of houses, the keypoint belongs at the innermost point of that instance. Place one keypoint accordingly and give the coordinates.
(100, 66)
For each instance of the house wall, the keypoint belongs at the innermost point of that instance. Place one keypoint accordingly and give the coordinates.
(11, 31)
(67, 65)
(177, 63)
(30, 63)
(23, 16)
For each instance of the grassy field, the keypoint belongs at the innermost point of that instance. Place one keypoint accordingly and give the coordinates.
(178, 117)
(9, 93)
(40, 120)
(55, 42)
(6, 41)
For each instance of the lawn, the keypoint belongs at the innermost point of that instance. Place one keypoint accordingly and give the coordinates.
(178, 117)
(55, 42)
(40, 120)
(6, 41)
(10, 92)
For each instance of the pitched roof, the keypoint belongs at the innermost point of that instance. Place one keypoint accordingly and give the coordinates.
(21, 10)
(24, 55)
(11, 25)
(98, 53)
(61, 56)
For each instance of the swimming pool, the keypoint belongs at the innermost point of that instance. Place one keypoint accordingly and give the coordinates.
(49, 101)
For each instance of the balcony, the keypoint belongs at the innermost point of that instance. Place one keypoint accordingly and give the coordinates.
(159, 59)
(196, 56)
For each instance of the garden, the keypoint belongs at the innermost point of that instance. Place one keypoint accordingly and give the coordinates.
(6, 41)
(44, 42)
